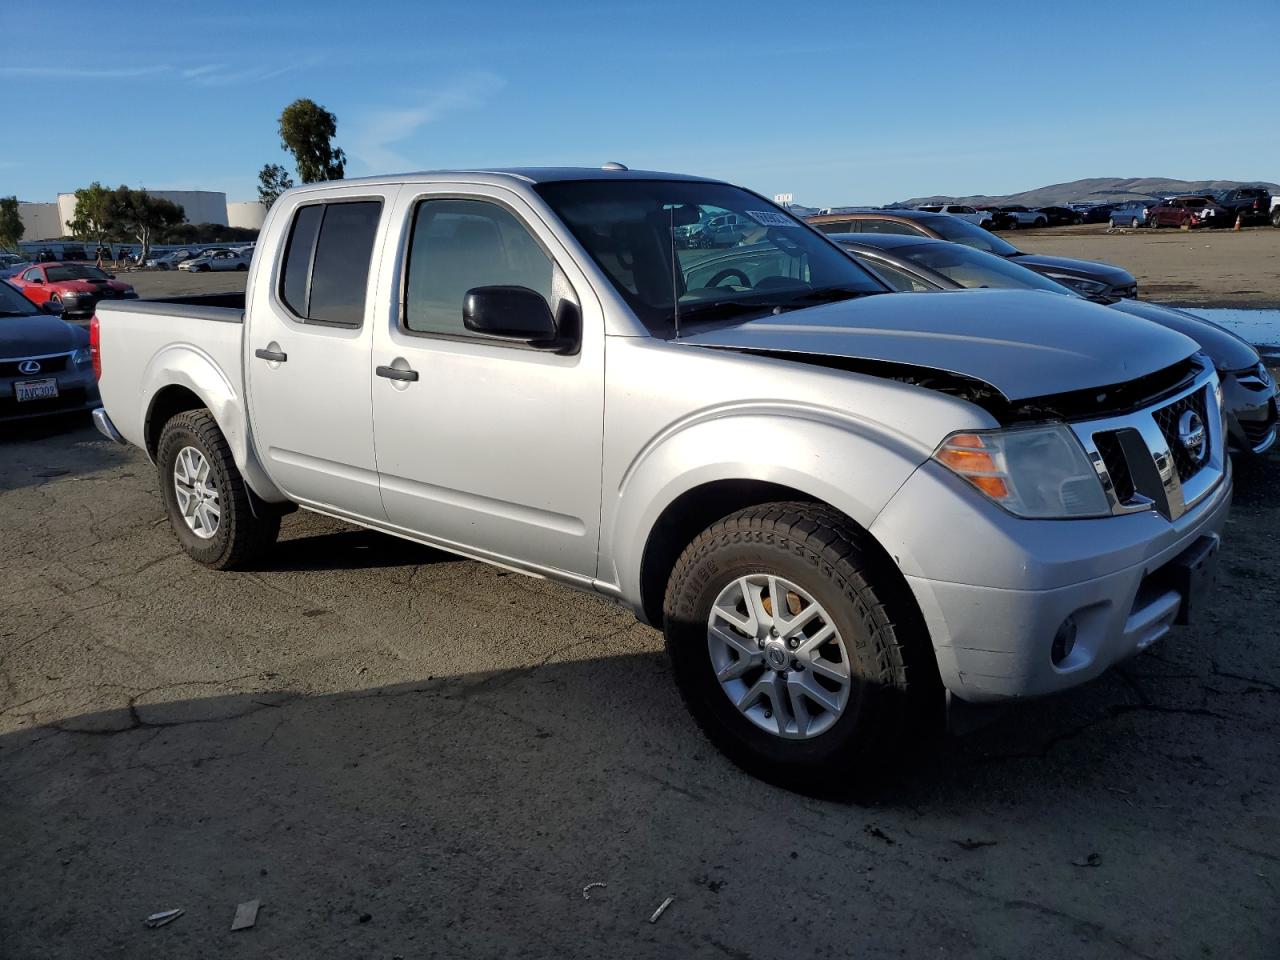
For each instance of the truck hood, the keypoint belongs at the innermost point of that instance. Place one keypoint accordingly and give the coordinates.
(1022, 343)
(38, 335)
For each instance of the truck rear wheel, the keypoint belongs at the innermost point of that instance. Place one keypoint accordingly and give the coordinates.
(799, 655)
(206, 497)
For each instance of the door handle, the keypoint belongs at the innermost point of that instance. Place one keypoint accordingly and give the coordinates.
(395, 373)
(274, 356)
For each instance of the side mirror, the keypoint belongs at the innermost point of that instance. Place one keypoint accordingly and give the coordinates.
(510, 313)
(53, 307)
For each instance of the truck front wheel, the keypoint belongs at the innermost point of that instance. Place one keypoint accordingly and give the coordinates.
(206, 497)
(801, 657)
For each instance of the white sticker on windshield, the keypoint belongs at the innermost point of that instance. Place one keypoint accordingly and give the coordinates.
(770, 219)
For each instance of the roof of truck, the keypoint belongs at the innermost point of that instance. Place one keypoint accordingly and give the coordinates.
(534, 175)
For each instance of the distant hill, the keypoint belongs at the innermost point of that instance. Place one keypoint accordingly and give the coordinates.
(1095, 190)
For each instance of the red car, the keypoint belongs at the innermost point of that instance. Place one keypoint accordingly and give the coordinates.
(1189, 211)
(77, 286)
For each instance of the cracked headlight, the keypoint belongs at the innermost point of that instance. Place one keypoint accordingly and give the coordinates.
(1034, 472)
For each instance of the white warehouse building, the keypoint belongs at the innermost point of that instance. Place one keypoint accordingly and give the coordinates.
(51, 221)
(200, 206)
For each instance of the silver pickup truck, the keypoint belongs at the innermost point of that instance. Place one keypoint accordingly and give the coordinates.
(842, 506)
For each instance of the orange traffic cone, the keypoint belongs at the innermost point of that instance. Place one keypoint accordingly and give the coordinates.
(1239, 220)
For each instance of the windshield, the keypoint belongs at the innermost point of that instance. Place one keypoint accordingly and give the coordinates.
(714, 251)
(14, 304)
(74, 271)
(971, 235)
(973, 268)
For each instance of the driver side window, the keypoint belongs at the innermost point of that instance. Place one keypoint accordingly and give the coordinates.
(458, 245)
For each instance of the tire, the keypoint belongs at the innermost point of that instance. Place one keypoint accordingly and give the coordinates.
(892, 697)
(238, 537)
(1133, 224)
(1041, 222)
(241, 267)
(1275, 217)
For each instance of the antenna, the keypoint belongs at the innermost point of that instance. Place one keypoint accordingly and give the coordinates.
(675, 287)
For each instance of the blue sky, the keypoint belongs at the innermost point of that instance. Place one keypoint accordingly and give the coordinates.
(837, 102)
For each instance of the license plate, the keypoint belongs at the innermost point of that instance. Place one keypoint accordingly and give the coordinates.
(37, 389)
(1195, 574)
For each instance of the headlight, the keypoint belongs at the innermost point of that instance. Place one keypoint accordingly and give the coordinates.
(1080, 284)
(82, 357)
(1034, 472)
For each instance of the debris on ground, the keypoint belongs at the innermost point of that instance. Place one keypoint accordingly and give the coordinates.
(874, 831)
(586, 895)
(246, 915)
(163, 917)
(969, 844)
(1092, 860)
(661, 908)
(366, 917)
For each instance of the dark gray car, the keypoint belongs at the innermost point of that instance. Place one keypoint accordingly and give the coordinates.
(917, 264)
(1097, 281)
(45, 363)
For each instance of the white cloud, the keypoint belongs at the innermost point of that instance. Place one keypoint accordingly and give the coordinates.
(92, 73)
(217, 75)
(375, 132)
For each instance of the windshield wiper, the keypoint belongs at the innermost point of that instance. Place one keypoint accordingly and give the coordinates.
(827, 295)
(719, 309)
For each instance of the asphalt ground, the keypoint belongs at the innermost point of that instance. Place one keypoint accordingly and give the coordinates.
(400, 753)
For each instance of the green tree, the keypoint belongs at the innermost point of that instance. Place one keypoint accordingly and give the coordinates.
(11, 228)
(143, 216)
(307, 130)
(273, 180)
(95, 218)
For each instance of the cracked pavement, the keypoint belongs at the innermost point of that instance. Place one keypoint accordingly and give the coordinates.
(405, 754)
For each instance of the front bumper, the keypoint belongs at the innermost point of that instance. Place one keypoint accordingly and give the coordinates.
(994, 589)
(77, 390)
(1250, 413)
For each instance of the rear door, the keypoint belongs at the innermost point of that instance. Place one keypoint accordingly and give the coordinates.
(307, 350)
(492, 447)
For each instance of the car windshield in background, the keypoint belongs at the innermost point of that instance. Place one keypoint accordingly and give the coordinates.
(14, 304)
(736, 254)
(74, 272)
(974, 268)
(1195, 202)
(971, 235)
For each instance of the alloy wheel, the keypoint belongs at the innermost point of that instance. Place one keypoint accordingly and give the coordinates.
(197, 491)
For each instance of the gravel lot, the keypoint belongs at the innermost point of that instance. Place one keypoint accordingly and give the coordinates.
(405, 754)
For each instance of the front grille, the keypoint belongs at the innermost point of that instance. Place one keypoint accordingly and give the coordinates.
(71, 399)
(1113, 459)
(1167, 420)
(1259, 430)
(9, 368)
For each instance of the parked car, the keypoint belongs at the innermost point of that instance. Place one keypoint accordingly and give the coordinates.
(45, 363)
(77, 287)
(1012, 216)
(1132, 214)
(982, 218)
(916, 264)
(726, 229)
(11, 263)
(1088, 277)
(170, 261)
(835, 501)
(1188, 212)
(1099, 213)
(1275, 211)
(1061, 216)
(216, 260)
(1250, 204)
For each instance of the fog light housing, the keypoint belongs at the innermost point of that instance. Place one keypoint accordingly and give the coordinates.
(1064, 641)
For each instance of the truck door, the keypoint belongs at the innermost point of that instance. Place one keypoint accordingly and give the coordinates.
(308, 344)
(483, 444)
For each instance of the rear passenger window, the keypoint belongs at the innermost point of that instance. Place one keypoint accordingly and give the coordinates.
(326, 265)
(837, 226)
(462, 244)
(886, 226)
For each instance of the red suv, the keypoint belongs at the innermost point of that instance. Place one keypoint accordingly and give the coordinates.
(1186, 211)
(76, 286)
